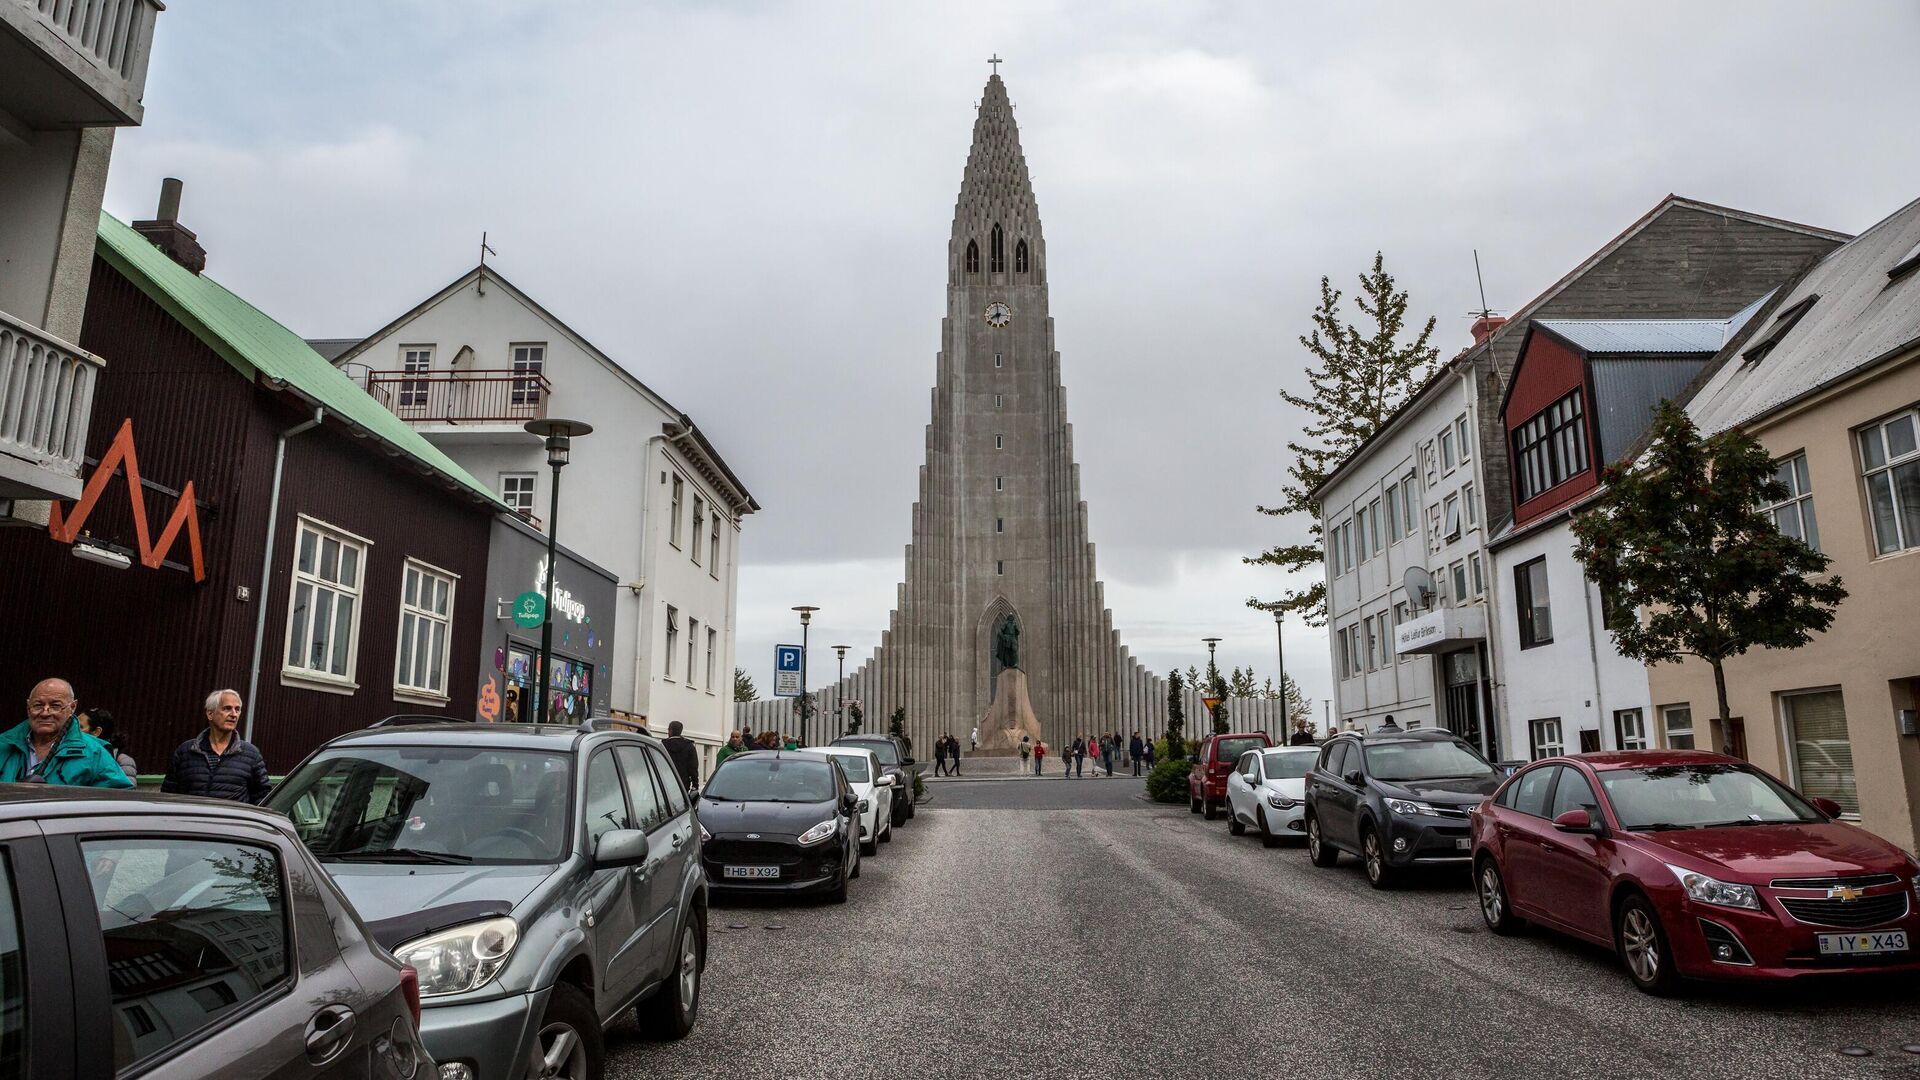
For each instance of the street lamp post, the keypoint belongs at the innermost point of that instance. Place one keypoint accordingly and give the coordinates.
(1212, 670)
(1280, 632)
(806, 618)
(840, 688)
(559, 435)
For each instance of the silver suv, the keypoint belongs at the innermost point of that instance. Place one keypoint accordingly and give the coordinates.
(543, 879)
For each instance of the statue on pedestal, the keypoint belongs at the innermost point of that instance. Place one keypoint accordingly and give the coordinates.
(1006, 644)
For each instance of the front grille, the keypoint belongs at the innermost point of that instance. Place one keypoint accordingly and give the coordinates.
(1867, 911)
(1866, 882)
(1449, 811)
(751, 852)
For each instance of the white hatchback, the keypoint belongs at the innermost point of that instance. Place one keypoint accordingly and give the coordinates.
(1267, 791)
(875, 789)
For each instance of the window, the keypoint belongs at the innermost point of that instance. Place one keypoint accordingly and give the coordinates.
(1551, 447)
(1530, 791)
(606, 805)
(649, 811)
(973, 257)
(1374, 528)
(1433, 528)
(1459, 570)
(1573, 793)
(14, 1042)
(997, 250)
(1630, 729)
(1429, 459)
(998, 361)
(1447, 461)
(673, 637)
(1450, 511)
(997, 401)
(1360, 533)
(1407, 499)
(669, 780)
(713, 646)
(1545, 736)
(1793, 515)
(999, 483)
(1890, 464)
(1020, 257)
(999, 442)
(426, 622)
(693, 639)
(1466, 500)
(1782, 324)
(1393, 513)
(1346, 546)
(999, 525)
(673, 512)
(1461, 437)
(323, 619)
(713, 548)
(1677, 720)
(516, 490)
(194, 930)
(1816, 727)
(699, 528)
(1354, 663)
(1000, 566)
(415, 360)
(1373, 647)
(1530, 596)
(1401, 614)
(1440, 596)
(529, 364)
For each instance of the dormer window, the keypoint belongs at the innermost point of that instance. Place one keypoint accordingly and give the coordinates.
(1783, 324)
(1020, 257)
(1550, 448)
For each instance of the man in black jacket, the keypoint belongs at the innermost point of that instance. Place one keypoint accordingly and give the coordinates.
(218, 763)
(684, 755)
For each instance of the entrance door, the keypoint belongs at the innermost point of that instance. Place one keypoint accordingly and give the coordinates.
(1463, 716)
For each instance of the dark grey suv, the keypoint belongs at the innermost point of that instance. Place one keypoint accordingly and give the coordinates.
(544, 879)
(1395, 798)
(168, 937)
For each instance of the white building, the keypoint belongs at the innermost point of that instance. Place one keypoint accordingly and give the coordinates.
(645, 495)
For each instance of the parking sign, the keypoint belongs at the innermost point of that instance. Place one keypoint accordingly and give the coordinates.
(786, 671)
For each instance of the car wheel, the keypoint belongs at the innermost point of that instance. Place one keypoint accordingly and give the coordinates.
(859, 850)
(899, 814)
(838, 894)
(1494, 907)
(1235, 826)
(869, 847)
(886, 833)
(911, 810)
(1318, 850)
(1209, 809)
(669, 1013)
(1642, 943)
(568, 1045)
(1379, 874)
(1267, 839)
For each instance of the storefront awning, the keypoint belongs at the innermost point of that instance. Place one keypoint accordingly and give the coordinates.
(1441, 630)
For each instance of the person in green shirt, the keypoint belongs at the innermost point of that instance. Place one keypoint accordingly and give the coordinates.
(48, 747)
(734, 746)
(791, 744)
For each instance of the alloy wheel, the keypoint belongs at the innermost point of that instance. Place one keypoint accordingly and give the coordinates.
(1313, 838)
(559, 1054)
(1640, 944)
(1370, 845)
(689, 971)
(1491, 905)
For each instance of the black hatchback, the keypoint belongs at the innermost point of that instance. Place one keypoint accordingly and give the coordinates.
(780, 821)
(1396, 799)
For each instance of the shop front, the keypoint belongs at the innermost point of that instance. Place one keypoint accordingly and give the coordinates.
(1456, 639)
(582, 609)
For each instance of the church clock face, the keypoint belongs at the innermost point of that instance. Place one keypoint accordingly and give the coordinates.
(999, 314)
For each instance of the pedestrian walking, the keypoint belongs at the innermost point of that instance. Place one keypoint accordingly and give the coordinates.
(973, 740)
(684, 755)
(1149, 752)
(1066, 759)
(1039, 756)
(1136, 751)
(940, 756)
(1389, 726)
(953, 759)
(1026, 751)
(1106, 751)
(49, 748)
(1080, 755)
(218, 763)
(735, 745)
(100, 724)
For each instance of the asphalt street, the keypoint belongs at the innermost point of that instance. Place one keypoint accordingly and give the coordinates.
(1071, 929)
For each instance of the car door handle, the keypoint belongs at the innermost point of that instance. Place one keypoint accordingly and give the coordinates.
(680, 840)
(328, 1033)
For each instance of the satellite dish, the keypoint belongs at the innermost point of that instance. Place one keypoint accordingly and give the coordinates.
(1419, 585)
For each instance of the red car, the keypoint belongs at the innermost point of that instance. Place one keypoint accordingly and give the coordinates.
(1692, 865)
(1213, 760)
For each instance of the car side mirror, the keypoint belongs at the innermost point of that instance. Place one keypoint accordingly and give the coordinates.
(1578, 821)
(1827, 806)
(850, 801)
(906, 761)
(864, 806)
(1352, 778)
(883, 780)
(621, 847)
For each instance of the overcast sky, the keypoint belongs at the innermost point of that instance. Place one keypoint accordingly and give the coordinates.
(748, 206)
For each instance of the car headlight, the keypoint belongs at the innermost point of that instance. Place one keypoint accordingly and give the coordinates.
(705, 835)
(819, 832)
(460, 959)
(1280, 802)
(1711, 891)
(1409, 807)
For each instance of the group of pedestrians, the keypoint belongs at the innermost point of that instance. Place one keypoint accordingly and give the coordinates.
(59, 743)
(946, 756)
(1104, 747)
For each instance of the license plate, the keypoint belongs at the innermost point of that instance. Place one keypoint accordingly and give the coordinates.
(1886, 941)
(750, 871)
(1463, 843)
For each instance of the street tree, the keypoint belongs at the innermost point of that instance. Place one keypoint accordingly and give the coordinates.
(1241, 684)
(1176, 716)
(1687, 562)
(743, 689)
(1359, 375)
(1216, 687)
(855, 715)
(897, 723)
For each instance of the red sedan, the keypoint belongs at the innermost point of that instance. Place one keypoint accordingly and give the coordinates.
(1692, 865)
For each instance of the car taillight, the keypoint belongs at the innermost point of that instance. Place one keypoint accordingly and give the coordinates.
(410, 986)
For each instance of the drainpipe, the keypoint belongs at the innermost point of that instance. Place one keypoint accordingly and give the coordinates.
(266, 561)
(643, 626)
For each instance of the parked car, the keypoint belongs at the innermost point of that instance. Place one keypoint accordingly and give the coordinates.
(1693, 865)
(1396, 799)
(212, 946)
(896, 762)
(875, 789)
(781, 821)
(1213, 759)
(544, 879)
(1267, 791)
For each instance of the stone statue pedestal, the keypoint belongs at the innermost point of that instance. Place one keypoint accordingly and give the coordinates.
(1011, 714)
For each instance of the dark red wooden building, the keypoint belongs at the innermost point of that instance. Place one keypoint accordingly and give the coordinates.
(375, 593)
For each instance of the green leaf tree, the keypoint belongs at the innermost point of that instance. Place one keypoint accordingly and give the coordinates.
(1360, 376)
(854, 717)
(1176, 715)
(1216, 686)
(1679, 547)
(897, 723)
(743, 689)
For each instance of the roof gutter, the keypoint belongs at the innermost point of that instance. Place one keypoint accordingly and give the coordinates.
(266, 561)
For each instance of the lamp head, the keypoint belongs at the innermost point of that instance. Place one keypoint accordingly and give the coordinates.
(559, 435)
(806, 613)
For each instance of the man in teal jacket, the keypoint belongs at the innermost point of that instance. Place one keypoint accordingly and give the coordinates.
(50, 748)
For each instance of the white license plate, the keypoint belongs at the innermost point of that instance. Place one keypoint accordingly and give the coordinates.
(1463, 843)
(1886, 941)
(750, 871)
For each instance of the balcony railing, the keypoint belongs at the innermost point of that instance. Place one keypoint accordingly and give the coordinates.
(102, 45)
(46, 401)
(486, 396)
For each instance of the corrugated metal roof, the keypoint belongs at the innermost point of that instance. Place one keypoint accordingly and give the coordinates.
(251, 341)
(1861, 316)
(1651, 335)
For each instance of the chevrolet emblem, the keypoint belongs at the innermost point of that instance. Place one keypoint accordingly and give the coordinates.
(756, 836)
(1844, 893)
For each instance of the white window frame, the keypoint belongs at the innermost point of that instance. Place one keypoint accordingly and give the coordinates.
(1643, 741)
(679, 490)
(713, 553)
(512, 500)
(1472, 510)
(325, 678)
(527, 358)
(1391, 496)
(1789, 740)
(999, 483)
(713, 642)
(999, 441)
(1448, 460)
(698, 532)
(1479, 577)
(424, 618)
(1460, 437)
(693, 644)
(673, 640)
(1668, 731)
(1402, 612)
(1450, 510)
(415, 360)
(1540, 746)
(1458, 570)
(998, 401)
(1409, 499)
(1799, 502)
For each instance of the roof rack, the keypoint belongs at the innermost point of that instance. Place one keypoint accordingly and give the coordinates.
(418, 718)
(611, 723)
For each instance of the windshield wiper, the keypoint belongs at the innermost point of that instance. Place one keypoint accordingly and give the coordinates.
(1750, 821)
(1659, 826)
(397, 855)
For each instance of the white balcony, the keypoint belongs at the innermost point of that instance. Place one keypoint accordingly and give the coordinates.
(46, 402)
(75, 63)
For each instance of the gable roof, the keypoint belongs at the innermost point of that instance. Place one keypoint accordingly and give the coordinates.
(258, 347)
(1861, 315)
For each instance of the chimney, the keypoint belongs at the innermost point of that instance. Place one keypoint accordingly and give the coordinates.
(166, 232)
(1484, 327)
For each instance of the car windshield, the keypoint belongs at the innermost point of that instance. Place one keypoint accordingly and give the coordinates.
(1439, 759)
(1288, 764)
(883, 749)
(1230, 749)
(855, 766)
(771, 779)
(453, 804)
(1701, 796)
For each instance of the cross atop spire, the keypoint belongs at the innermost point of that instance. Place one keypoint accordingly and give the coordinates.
(996, 62)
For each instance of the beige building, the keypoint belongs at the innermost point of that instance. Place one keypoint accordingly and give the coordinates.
(1827, 379)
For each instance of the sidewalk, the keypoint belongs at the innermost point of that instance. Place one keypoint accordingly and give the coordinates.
(975, 770)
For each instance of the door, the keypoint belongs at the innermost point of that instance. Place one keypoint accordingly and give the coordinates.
(1521, 836)
(615, 895)
(1463, 696)
(36, 1022)
(1337, 800)
(673, 853)
(1237, 790)
(1572, 876)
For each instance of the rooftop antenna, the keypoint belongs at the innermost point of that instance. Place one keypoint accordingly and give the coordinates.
(480, 283)
(1485, 312)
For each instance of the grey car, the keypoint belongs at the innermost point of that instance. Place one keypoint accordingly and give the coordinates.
(544, 879)
(174, 938)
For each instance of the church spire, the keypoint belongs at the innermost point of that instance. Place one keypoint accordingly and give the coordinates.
(996, 222)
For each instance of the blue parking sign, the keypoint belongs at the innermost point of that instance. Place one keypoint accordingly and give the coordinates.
(786, 671)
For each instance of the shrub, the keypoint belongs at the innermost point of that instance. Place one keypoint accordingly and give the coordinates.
(1168, 780)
